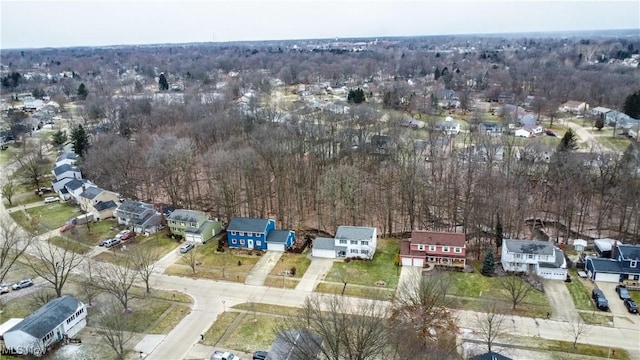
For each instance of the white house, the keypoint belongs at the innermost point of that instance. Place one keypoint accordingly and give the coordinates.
(66, 158)
(448, 126)
(522, 133)
(539, 257)
(350, 241)
(66, 171)
(59, 318)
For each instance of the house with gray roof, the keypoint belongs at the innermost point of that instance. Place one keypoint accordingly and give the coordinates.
(295, 345)
(539, 257)
(193, 225)
(350, 241)
(75, 187)
(139, 216)
(66, 171)
(91, 196)
(622, 265)
(56, 320)
(253, 233)
(66, 158)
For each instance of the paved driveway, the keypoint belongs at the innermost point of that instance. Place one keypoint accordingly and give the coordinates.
(317, 271)
(562, 307)
(263, 267)
(621, 317)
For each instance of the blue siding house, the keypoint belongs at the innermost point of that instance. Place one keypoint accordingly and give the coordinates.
(249, 233)
(280, 240)
(623, 265)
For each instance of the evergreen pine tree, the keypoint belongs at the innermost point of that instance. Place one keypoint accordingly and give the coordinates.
(436, 73)
(499, 233)
(80, 140)
(82, 92)
(163, 83)
(489, 263)
(569, 142)
(631, 105)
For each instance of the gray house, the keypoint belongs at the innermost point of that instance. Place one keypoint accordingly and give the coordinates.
(139, 216)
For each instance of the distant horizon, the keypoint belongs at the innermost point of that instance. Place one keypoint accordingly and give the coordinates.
(95, 23)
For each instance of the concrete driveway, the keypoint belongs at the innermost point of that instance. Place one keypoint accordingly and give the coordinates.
(562, 307)
(316, 272)
(622, 319)
(263, 267)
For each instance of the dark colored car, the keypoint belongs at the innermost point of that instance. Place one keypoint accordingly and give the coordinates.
(623, 292)
(551, 133)
(127, 236)
(631, 306)
(259, 355)
(600, 300)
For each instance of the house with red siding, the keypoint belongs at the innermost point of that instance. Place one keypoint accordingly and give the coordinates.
(431, 247)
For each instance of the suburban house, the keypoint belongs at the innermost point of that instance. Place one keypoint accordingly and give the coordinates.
(66, 159)
(295, 344)
(139, 216)
(66, 171)
(350, 241)
(280, 240)
(490, 128)
(104, 210)
(58, 319)
(193, 225)
(524, 133)
(74, 188)
(539, 257)
(93, 196)
(437, 248)
(622, 265)
(574, 107)
(534, 129)
(604, 247)
(58, 185)
(252, 233)
(600, 111)
(448, 126)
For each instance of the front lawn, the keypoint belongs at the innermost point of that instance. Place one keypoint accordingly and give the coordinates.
(253, 332)
(170, 319)
(364, 272)
(596, 318)
(231, 265)
(356, 291)
(288, 260)
(219, 328)
(579, 293)
(52, 216)
(69, 244)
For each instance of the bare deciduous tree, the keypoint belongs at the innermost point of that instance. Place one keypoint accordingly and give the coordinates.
(116, 279)
(144, 261)
(9, 190)
(577, 328)
(517, 288)
(490, 324)
(191, 259)
(12, 245)
(33, 167)
(112, 324)
(54, 264)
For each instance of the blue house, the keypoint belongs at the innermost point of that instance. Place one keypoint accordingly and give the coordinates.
(623, 265)
(249, 233)
(280, 240)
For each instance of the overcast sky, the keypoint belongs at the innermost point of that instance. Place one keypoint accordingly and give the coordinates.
(29, 24)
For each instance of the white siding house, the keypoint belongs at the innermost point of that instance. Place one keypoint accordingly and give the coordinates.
(59, 318)
(350, 241)
(539, 257)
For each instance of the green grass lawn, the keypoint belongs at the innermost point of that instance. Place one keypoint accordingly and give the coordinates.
(560, 348)
(579, 293)
(268, 308)
(366, 273)
(170, 319)
(253, 332)
(236, 264)
(70, 244)
(52, 216)
(277, 281)
(288, 260)
(357, 291)
(21, 218)
(596, 318)
(219, 327)
(145, 313)
(635, 295)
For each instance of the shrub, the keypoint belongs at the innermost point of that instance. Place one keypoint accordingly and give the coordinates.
(292, 271)
(347, 260)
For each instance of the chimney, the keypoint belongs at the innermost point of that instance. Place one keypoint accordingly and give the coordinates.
(614, 249)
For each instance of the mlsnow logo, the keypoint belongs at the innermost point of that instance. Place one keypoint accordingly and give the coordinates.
(22, 350)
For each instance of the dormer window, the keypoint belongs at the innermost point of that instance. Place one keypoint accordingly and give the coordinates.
(633, 263)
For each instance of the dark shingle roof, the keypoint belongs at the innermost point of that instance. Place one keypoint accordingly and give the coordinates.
(247, 224)
(295, 345)
(605, 265)
(629, 252)
(48, 316)
(558, 263)
(354, 232)
(91, 192)
(75, 184)
(187, 216)
(59, 170)
(136, 207)
(104, 205)
(278, 236)
(529, 247)
(490, 356)
(70, 156)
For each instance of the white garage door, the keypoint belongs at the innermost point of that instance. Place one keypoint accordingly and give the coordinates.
(275, 247)
(406, 261)
(321, 253)
(607, 277)
(418, 262)
(192, 238)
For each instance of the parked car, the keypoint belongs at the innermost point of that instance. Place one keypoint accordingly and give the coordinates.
(260, 355)
(550, 133)
(43, 190)
(4, 288)
(631, 306)
(124, 235)
(600, 300)
(22, 284)
(51, 199)
(186, 247)
(622, 291)
(111, 243)
(104, 241)
(67, 227)
(224, 355)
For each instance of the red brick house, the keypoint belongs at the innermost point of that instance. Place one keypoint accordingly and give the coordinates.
(430, 247)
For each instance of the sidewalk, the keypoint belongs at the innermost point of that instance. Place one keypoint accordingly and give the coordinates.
(263, 267)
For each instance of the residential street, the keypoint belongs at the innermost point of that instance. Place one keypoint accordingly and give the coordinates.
(212, 298)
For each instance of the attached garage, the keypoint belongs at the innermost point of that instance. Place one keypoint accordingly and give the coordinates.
(606, 270)
(411, 261)
(275, 247)
(280, 240)
(606, 277)
(324, 248)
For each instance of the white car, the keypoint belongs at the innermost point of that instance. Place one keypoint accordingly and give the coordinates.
(51, 199)
(4, 288)
(186, 247)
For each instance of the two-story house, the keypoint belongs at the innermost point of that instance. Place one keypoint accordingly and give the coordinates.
(58, 319)
(72, 189)
(252, 233)
(193, 225)
(66, 158)
(350, 241)
(539, 257)
(66, 171)
(139, 216)
(92, 201)
(431, 247)
(623, 265)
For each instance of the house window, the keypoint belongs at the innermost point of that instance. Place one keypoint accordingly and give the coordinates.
(432, 248)
(518, 256)
(364, 242)
(234, 241)
(258, 243)
(445, 249)
(343, 242)
(193, 224)
(234, 233)
(530, 256)
(241, 241)
(420, 246)
(633, 263)
(182, 224)
(241, 233)
(354, 242)
(457, 250)
(353, 251)
(365, 252)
